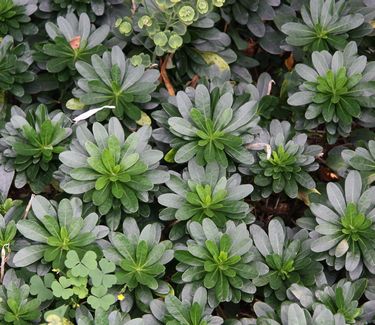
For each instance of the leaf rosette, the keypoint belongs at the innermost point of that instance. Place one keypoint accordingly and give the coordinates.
(343, 229)
(204, 192)
(222, 262)
(30, 145)
(111, 171)
(335, 90)
(208, 125)
(283, 161)
(53, 231)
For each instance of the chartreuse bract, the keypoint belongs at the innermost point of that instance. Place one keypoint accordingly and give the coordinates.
(205, 192)
(334, 90)
(141, 257)
(288, 256)
(221, 261)
(342, 227)
(283, 161)
(31, 142)
(54, 230)
(208, 125)
(163, 26)
(114, 172)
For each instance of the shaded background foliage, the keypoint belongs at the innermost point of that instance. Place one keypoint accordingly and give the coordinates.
(195, 162)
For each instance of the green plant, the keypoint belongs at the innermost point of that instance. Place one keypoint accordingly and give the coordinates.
(85, 317)
(212, 127)
(112, 172)
(292, 313)
(15, 305)
(335, 90)
(31, 143)
(8, 231)
(164, 24)
(188, 311)
(15, 18)
(285, 162)
(342, 227)
(41, 287)
(81, 267)
(75, 284)
(92, 8)
(222, 262)
(325, 24)
(204, 192)
(288, 257)
(71, 40)
(363, 160)
(15, 61)
(54, 232)
(342, 299)
(257, 17)
(141, 257)
(113, 80)
(7, 205)
(70, 287)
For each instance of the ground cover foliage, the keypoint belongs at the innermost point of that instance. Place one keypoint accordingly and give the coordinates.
(187, 162)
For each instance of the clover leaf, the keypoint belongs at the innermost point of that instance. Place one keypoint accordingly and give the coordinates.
(41, 287)
(81, 267)
(101, 276)
(100, 298)
(61, 288)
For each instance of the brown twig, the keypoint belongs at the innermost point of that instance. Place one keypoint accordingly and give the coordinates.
(225, 27)
(165, 77)
(193, 82)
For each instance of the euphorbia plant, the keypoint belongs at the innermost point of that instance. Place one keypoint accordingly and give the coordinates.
(113, 172)
(15, 18)
(205, 192)
(343, 230)
(208, 125)
(15, 61)
(222, 262)
(284, 160)
(16, 305)
(92, 8)
(141, 257)
(164, 25)
(325, 24)
(113, 80)
(53, 232)
(335, 90)
(363, 160)
(292, 313)
(31, 143)
(71, 40)
(342, 299)
(190, 310)
(288, 255)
